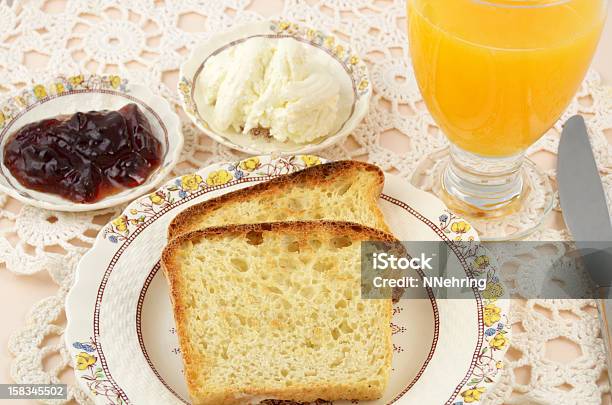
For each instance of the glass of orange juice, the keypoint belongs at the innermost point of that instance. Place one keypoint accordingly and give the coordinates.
(496, 75)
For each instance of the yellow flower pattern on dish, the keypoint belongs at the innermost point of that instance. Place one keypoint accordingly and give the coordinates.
(499, 341)
(311, 160)
(2, 119)
(460, 227)
(184, 87)
(157, 198)
(492, 314)
(115, 81)
(84, 360)
(59, 88)
(311, 34)
(363, 84)
(250, 164)
(493, 290)
(218, 177)
(191, 182)
(339, 51)
(121, 223)
(76, 80)
(473, 394)
(481, 262)
(40, 92)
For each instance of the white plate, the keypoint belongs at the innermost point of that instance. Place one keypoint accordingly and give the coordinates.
(121, 333)
(329, 53)
(69, 94)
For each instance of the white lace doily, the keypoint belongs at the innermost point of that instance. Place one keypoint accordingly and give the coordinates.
(146, 40)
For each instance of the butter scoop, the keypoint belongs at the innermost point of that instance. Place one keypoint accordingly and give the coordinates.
(271, 84)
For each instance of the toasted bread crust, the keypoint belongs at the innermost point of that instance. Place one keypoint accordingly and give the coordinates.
(194, 362)
(188, 219)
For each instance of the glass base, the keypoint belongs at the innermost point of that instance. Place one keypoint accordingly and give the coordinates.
(505, 208)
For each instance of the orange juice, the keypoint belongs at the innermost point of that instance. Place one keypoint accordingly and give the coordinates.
(497, 74)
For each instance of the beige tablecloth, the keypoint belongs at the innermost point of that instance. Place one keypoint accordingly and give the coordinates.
(19, 293)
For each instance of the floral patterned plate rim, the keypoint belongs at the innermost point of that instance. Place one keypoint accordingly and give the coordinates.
(67, 94)
(349, 71)
(121, 332)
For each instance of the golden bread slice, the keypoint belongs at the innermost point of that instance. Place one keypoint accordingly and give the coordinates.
(340, 191)
(274, 311)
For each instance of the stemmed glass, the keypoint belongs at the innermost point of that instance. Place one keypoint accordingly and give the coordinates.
(496, 75)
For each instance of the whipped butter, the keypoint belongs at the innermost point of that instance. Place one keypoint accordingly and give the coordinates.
(271, 84)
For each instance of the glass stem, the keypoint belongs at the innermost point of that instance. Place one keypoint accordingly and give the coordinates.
(486, 183)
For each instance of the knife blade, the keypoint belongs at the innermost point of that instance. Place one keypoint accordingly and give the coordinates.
(580, 190)
(584, 208)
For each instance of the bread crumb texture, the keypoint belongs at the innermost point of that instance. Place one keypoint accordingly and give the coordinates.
(275, 311)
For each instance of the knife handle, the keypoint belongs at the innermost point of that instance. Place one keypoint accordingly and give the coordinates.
(604, 304)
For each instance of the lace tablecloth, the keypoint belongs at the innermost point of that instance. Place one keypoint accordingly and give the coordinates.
(146, 40)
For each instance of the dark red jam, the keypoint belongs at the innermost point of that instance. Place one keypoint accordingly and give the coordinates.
(85, 156)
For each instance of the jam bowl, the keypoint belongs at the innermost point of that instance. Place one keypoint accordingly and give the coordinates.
(324, 52)
(127, 139)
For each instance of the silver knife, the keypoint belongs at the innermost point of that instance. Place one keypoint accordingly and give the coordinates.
(583, 203)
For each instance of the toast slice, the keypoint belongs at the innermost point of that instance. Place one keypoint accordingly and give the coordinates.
(274, 311)
(341, 191)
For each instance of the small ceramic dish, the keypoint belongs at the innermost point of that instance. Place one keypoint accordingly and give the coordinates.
(330, 54)
(69, 94)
